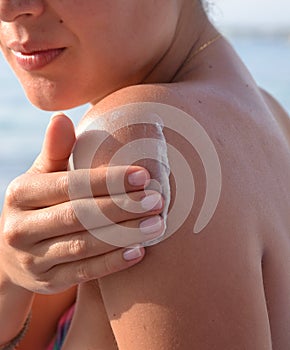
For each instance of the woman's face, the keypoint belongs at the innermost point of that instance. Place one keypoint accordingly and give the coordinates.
(70, 52)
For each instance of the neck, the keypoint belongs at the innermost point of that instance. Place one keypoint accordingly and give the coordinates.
(192, 31)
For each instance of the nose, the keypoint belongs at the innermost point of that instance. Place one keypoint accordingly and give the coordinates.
(10, 10)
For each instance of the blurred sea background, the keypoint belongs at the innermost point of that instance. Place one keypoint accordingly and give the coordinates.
(258, 29)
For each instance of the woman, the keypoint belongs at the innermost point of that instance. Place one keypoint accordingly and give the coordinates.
(227, 288)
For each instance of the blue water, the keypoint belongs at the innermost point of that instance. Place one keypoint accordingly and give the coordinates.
(22, 126)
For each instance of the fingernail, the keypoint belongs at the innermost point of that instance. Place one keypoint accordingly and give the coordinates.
(153, 201)
(138, 178)
(151, 225)
(132, 253)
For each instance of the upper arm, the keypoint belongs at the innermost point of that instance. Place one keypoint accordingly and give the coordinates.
(200, 291)
(190, 291)
(203, 292)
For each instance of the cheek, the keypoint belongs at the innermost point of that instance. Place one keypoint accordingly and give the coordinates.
(131, 39)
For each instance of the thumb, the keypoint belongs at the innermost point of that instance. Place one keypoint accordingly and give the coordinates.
(57, 146)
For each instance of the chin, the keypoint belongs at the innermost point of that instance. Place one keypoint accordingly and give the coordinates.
(50, 96)
(52, 106)
(55, 103)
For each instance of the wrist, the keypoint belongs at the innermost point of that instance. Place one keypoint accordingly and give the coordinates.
(9, 288)
(13, 343)
(15, 305)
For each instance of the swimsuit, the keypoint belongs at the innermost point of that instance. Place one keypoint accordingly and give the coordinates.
(62, 329)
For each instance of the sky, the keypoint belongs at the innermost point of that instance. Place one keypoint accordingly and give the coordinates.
(265, 15)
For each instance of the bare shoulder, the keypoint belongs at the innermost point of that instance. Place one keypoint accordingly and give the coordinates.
(245, 133)
(192, 285)
(138, 93)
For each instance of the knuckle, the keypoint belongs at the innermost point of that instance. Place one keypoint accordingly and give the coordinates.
(83, 272)
(51, 282)
(12, 233)
(62, 184)
(46, 286)
(68, 216)
(27, 262)
(110, 266)
(15, 192)
(38, 166)
(77, 247)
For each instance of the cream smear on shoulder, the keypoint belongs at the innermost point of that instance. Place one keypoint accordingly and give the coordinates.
(126, 136)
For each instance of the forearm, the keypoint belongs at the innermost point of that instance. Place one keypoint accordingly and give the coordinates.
(15, 304)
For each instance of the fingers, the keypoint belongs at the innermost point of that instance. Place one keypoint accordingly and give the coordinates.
(131, 233)
(91, 268)
(83, 245)
(56, 264)
(57, 146)
(88, 214)
(63, 276)
(46, 190)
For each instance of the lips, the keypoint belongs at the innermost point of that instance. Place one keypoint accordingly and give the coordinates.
(35, 60)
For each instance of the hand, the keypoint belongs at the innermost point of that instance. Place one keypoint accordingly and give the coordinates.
(43, 246)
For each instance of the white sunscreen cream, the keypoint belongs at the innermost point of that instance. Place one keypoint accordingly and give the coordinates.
(124, 137)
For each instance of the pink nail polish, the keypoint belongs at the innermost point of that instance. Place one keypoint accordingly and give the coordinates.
(151, 225)
(132, 253)
(138, 178)
(152, 202)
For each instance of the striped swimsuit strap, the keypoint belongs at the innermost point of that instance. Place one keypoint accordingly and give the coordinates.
(62, 329)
